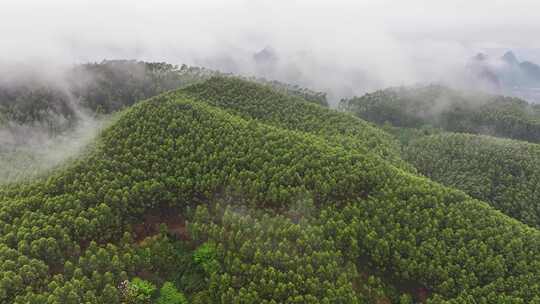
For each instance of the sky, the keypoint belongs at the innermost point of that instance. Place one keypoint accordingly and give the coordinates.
(345, 47)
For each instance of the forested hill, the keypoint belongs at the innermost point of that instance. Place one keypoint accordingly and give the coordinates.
(104, 87)
(265, 104)
(255, 207)
(504, 172)
(451, 110)
(44, 120)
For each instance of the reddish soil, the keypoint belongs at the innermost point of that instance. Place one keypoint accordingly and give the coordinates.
(422, 294)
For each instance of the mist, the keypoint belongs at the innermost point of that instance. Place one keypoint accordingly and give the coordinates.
(30, 148)
(29, 152)
(342, 47)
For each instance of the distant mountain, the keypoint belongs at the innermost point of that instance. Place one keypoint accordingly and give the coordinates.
(507, 75)
(265, 56)
(531, 69)
(481, 70)
(510, 58)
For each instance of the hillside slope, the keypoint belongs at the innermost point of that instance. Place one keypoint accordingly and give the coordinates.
(504, 172)
(27, 97)
(255, 101)
(450, 110)
(67, 239)
(43, 117)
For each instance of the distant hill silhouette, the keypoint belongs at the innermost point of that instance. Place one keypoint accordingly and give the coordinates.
(507, 75)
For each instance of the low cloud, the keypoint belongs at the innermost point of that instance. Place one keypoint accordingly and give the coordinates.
(343, 47)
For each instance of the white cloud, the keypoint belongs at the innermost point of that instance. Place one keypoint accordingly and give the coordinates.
(353, 45)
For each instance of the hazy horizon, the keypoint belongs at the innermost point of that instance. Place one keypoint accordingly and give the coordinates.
(343, 47)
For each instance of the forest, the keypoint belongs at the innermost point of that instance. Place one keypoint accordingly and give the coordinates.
(105, 87)
(41, 118)
(228, 190)
(503, 172)
(441, 107)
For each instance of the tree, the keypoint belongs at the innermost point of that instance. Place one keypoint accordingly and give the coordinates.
(168, 294)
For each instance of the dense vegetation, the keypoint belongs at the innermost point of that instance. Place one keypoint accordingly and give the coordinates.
(293, 90)
(504, 172)
(42, 118)
(272, 259)
(450, 110)
(104, 87)
(499, 171)
(254, 101)
(113, 84)
(35, 104)
(276, 212)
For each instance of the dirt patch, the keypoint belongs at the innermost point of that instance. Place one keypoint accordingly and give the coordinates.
(422, 294)
(152, 220)
(56, 269)
(419, 293)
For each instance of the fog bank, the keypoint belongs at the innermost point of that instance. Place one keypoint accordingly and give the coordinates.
(343, 47)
